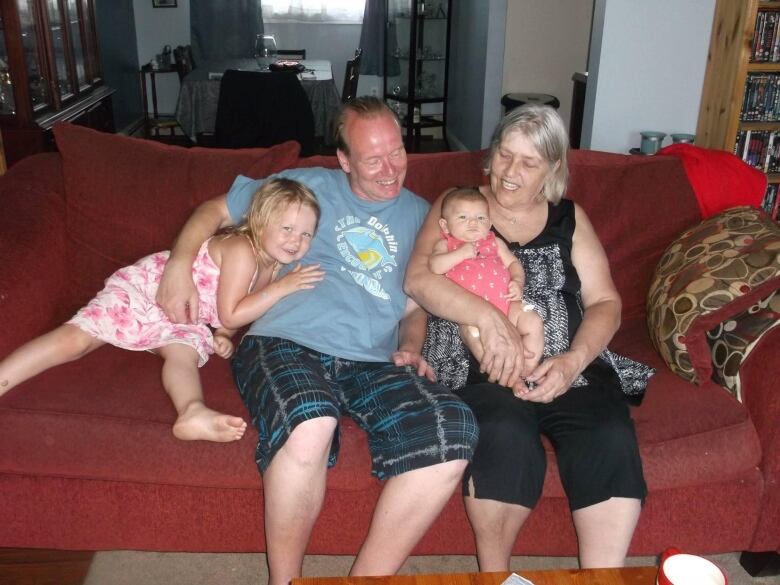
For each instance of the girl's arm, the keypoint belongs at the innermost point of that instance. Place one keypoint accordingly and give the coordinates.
(235, 306)
(516, 272)
(442, 261)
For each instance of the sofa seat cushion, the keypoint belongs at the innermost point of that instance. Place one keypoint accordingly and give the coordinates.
(79, 420)
(126, 198)
(82, 420)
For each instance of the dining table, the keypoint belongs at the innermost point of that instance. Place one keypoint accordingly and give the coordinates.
(196, 109)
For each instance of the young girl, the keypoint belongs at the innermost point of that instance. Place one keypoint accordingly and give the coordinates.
(470, 255)
(234, 275)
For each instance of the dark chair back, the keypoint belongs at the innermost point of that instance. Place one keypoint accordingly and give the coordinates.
(294, 54)
(184, 63)
(260, 109)
(351, 76)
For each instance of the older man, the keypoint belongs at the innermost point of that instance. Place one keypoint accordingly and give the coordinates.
(339, 349)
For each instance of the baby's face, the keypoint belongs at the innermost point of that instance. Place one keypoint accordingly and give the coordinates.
(468, 221)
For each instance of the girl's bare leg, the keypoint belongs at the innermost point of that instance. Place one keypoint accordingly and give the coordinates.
(181, 381)
(63, 344)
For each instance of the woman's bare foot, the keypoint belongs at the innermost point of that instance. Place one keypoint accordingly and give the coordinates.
(199, 423)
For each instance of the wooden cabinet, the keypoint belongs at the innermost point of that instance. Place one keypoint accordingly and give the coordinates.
(49, 72)
(417, 43)
(740, 107)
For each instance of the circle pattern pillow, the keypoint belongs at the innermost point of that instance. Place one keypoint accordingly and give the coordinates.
(710, 273)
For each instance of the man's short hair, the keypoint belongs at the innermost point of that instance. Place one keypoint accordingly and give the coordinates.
(362, 107)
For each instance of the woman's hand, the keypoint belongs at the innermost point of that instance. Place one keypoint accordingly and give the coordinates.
(410, 358)
(554, 376)
(499, 350)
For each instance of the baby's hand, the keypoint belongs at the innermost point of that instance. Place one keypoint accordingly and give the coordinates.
(515, 292)
(300, 278)
(223, 346)
(468, 250)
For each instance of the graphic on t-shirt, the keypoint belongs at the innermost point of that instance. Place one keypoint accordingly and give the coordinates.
(369, 252)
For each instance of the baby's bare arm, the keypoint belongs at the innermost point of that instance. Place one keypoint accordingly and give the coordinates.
(441, 261)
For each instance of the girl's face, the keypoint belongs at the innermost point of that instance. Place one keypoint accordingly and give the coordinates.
(517, 170)
(468, 221)
(288, 235)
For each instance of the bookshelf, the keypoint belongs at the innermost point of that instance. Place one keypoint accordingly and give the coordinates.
(740, 107)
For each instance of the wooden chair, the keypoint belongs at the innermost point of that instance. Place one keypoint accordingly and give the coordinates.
(351, 76)
(293, 54)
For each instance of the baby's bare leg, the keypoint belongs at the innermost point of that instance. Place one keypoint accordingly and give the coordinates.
(61, 345)
(531, 327)
(181, 381)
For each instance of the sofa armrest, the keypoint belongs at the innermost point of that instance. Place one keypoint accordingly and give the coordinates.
(32, 249)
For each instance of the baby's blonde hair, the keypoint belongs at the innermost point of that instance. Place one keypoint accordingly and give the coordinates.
(272, 198)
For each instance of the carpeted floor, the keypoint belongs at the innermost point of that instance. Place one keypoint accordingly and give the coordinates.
(149, 568)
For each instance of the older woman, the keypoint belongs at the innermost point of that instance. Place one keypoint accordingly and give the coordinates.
(576, 395)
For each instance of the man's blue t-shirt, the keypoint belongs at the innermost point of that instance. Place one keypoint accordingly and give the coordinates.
(363, 247)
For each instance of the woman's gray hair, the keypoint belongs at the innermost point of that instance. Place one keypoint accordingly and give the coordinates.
(543, 126)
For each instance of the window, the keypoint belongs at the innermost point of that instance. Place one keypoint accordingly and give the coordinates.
(331, 11)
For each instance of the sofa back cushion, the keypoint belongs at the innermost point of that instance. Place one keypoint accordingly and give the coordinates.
(126, 197)
(637, 206)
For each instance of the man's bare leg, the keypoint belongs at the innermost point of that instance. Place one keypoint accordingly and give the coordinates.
(495, 525)
(604, 531)
(408, 505)
(294, 487)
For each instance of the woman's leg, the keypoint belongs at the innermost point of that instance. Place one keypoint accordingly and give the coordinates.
(604, 531)
(495, 525)
(181, 381)
(504, 480)
(63, 344)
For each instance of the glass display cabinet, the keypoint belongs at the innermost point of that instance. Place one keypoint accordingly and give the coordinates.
(49, 72)
(417, 43)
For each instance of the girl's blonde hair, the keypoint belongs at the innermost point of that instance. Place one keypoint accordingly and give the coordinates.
(273, 197)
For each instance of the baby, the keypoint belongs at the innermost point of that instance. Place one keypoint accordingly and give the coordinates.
(470, 254)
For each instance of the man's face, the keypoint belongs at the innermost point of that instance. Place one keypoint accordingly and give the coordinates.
(376, 163)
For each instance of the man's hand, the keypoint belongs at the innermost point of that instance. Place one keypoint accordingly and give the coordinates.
(177, 295)
(554, 376)
(223, 346)
(410, 358)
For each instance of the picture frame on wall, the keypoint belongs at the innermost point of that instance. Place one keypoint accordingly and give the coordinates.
(164, 3)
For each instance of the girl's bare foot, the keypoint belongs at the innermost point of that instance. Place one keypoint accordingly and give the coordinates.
(199, 423)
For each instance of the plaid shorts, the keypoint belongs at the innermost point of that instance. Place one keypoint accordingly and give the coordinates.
(411, 422)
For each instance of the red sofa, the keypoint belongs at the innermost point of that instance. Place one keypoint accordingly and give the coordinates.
(87, 458)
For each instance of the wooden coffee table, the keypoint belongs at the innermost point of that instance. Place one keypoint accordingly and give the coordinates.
(623, 576)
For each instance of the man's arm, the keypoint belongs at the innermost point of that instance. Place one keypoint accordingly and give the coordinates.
(411, 336)
(176, 294)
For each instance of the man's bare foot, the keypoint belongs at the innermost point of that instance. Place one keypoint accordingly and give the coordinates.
(199, 423)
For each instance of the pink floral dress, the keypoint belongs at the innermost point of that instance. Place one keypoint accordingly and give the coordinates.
(125, 313)
(484, 275)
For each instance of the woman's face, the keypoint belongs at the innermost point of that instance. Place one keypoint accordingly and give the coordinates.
(517, 170)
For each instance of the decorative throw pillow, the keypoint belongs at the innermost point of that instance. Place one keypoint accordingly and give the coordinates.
(732, 341)
(708, 275)
(126, 197)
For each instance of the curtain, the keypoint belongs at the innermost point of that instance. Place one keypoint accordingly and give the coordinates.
(224, 29)
(372, 41)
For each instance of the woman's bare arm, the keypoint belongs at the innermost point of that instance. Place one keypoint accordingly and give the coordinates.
(503, 356)
(177, 294)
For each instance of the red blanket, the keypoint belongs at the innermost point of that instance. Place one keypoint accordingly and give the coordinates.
(719, 179)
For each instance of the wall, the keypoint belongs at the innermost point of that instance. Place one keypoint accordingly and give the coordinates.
(475, 69)
(155, 28)
(645, 71)
(547, 42)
